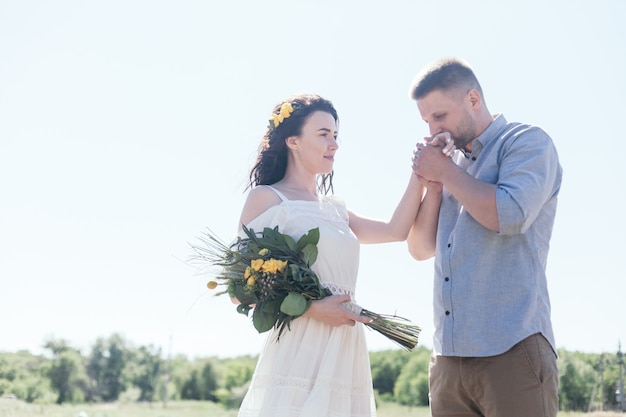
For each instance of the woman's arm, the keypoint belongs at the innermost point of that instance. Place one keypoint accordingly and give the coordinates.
(423, 234)
(397, 228)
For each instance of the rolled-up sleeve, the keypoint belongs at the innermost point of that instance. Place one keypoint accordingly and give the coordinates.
(528, 177)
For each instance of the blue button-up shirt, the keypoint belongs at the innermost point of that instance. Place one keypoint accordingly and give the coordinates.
(490, 289)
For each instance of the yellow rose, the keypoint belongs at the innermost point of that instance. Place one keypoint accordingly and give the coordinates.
(256, 264)
(247, 273)
(251, 281)
(274, 265)
(268, 266)
(212, 285)
(264, 251)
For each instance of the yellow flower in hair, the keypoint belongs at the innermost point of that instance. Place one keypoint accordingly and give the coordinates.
(285, 111)
(274, 120)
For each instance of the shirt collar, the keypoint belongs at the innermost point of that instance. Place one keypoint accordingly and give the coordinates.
(488, 135)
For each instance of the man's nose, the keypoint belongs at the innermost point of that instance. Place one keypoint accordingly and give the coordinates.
(435, 128)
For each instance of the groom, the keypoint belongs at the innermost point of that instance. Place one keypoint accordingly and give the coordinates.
(487, 217)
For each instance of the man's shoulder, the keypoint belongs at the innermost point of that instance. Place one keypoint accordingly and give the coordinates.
(517, 129)
(516, 134)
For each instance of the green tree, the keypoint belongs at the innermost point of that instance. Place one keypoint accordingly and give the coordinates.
(412, 384)
(106, 366)
(146, 368)
(209, 382)
(67, 372)
(178, 368)
(234, 377)
(202, 382)
(386, 366)
(25, 376)
(237, 372)
(192, 387)
(576, 380)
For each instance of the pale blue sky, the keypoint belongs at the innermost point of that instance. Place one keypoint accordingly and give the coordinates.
(127, 127)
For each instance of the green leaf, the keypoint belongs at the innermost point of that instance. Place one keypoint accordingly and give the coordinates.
(291, 243)
(309, 253)
(294, 304)
(295, 271)
(273, 234)
(253, 248)
(249, 232)
(262, 320)
(273, 306)
(238, 289)
(311, 237)
(243, 309)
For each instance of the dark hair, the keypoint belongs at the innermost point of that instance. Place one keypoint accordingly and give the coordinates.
(446, 74)
(271, 162)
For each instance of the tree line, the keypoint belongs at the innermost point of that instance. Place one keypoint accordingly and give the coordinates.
(114, 369)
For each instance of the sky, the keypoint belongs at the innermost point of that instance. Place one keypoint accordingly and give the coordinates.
(127, 128)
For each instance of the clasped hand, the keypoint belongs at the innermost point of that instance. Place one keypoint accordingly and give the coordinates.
(430, 156)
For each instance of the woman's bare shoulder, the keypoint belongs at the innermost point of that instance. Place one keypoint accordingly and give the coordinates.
(259, 199)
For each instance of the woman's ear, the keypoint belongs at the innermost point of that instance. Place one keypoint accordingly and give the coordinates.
(292, 143)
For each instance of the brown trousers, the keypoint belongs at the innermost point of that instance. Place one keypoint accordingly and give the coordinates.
(522, 382)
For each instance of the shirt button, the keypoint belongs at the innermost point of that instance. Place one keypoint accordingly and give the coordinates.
(473, 158)
(447, 312)
(446, 279)
(449, 244)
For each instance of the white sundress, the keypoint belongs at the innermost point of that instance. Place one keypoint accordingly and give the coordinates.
(315, 370)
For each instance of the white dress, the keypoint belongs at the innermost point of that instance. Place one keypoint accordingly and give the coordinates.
(315, 370)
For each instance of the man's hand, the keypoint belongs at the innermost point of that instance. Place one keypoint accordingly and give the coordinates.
(441, 141)
(444, 141)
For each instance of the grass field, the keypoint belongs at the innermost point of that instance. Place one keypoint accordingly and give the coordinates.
(15, 408)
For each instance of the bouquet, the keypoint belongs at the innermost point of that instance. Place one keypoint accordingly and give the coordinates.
(270, 273)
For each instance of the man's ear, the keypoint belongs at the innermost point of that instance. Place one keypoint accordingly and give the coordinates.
(474, 98)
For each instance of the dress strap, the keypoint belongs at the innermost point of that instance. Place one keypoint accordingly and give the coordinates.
(281, 195)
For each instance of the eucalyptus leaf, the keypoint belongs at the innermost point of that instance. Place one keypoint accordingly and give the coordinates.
(311, 237)
(273, 234)
(309, 253)
(243, 309)
(261, 320)
(291, 243)
(273, 306)
(294, 304)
